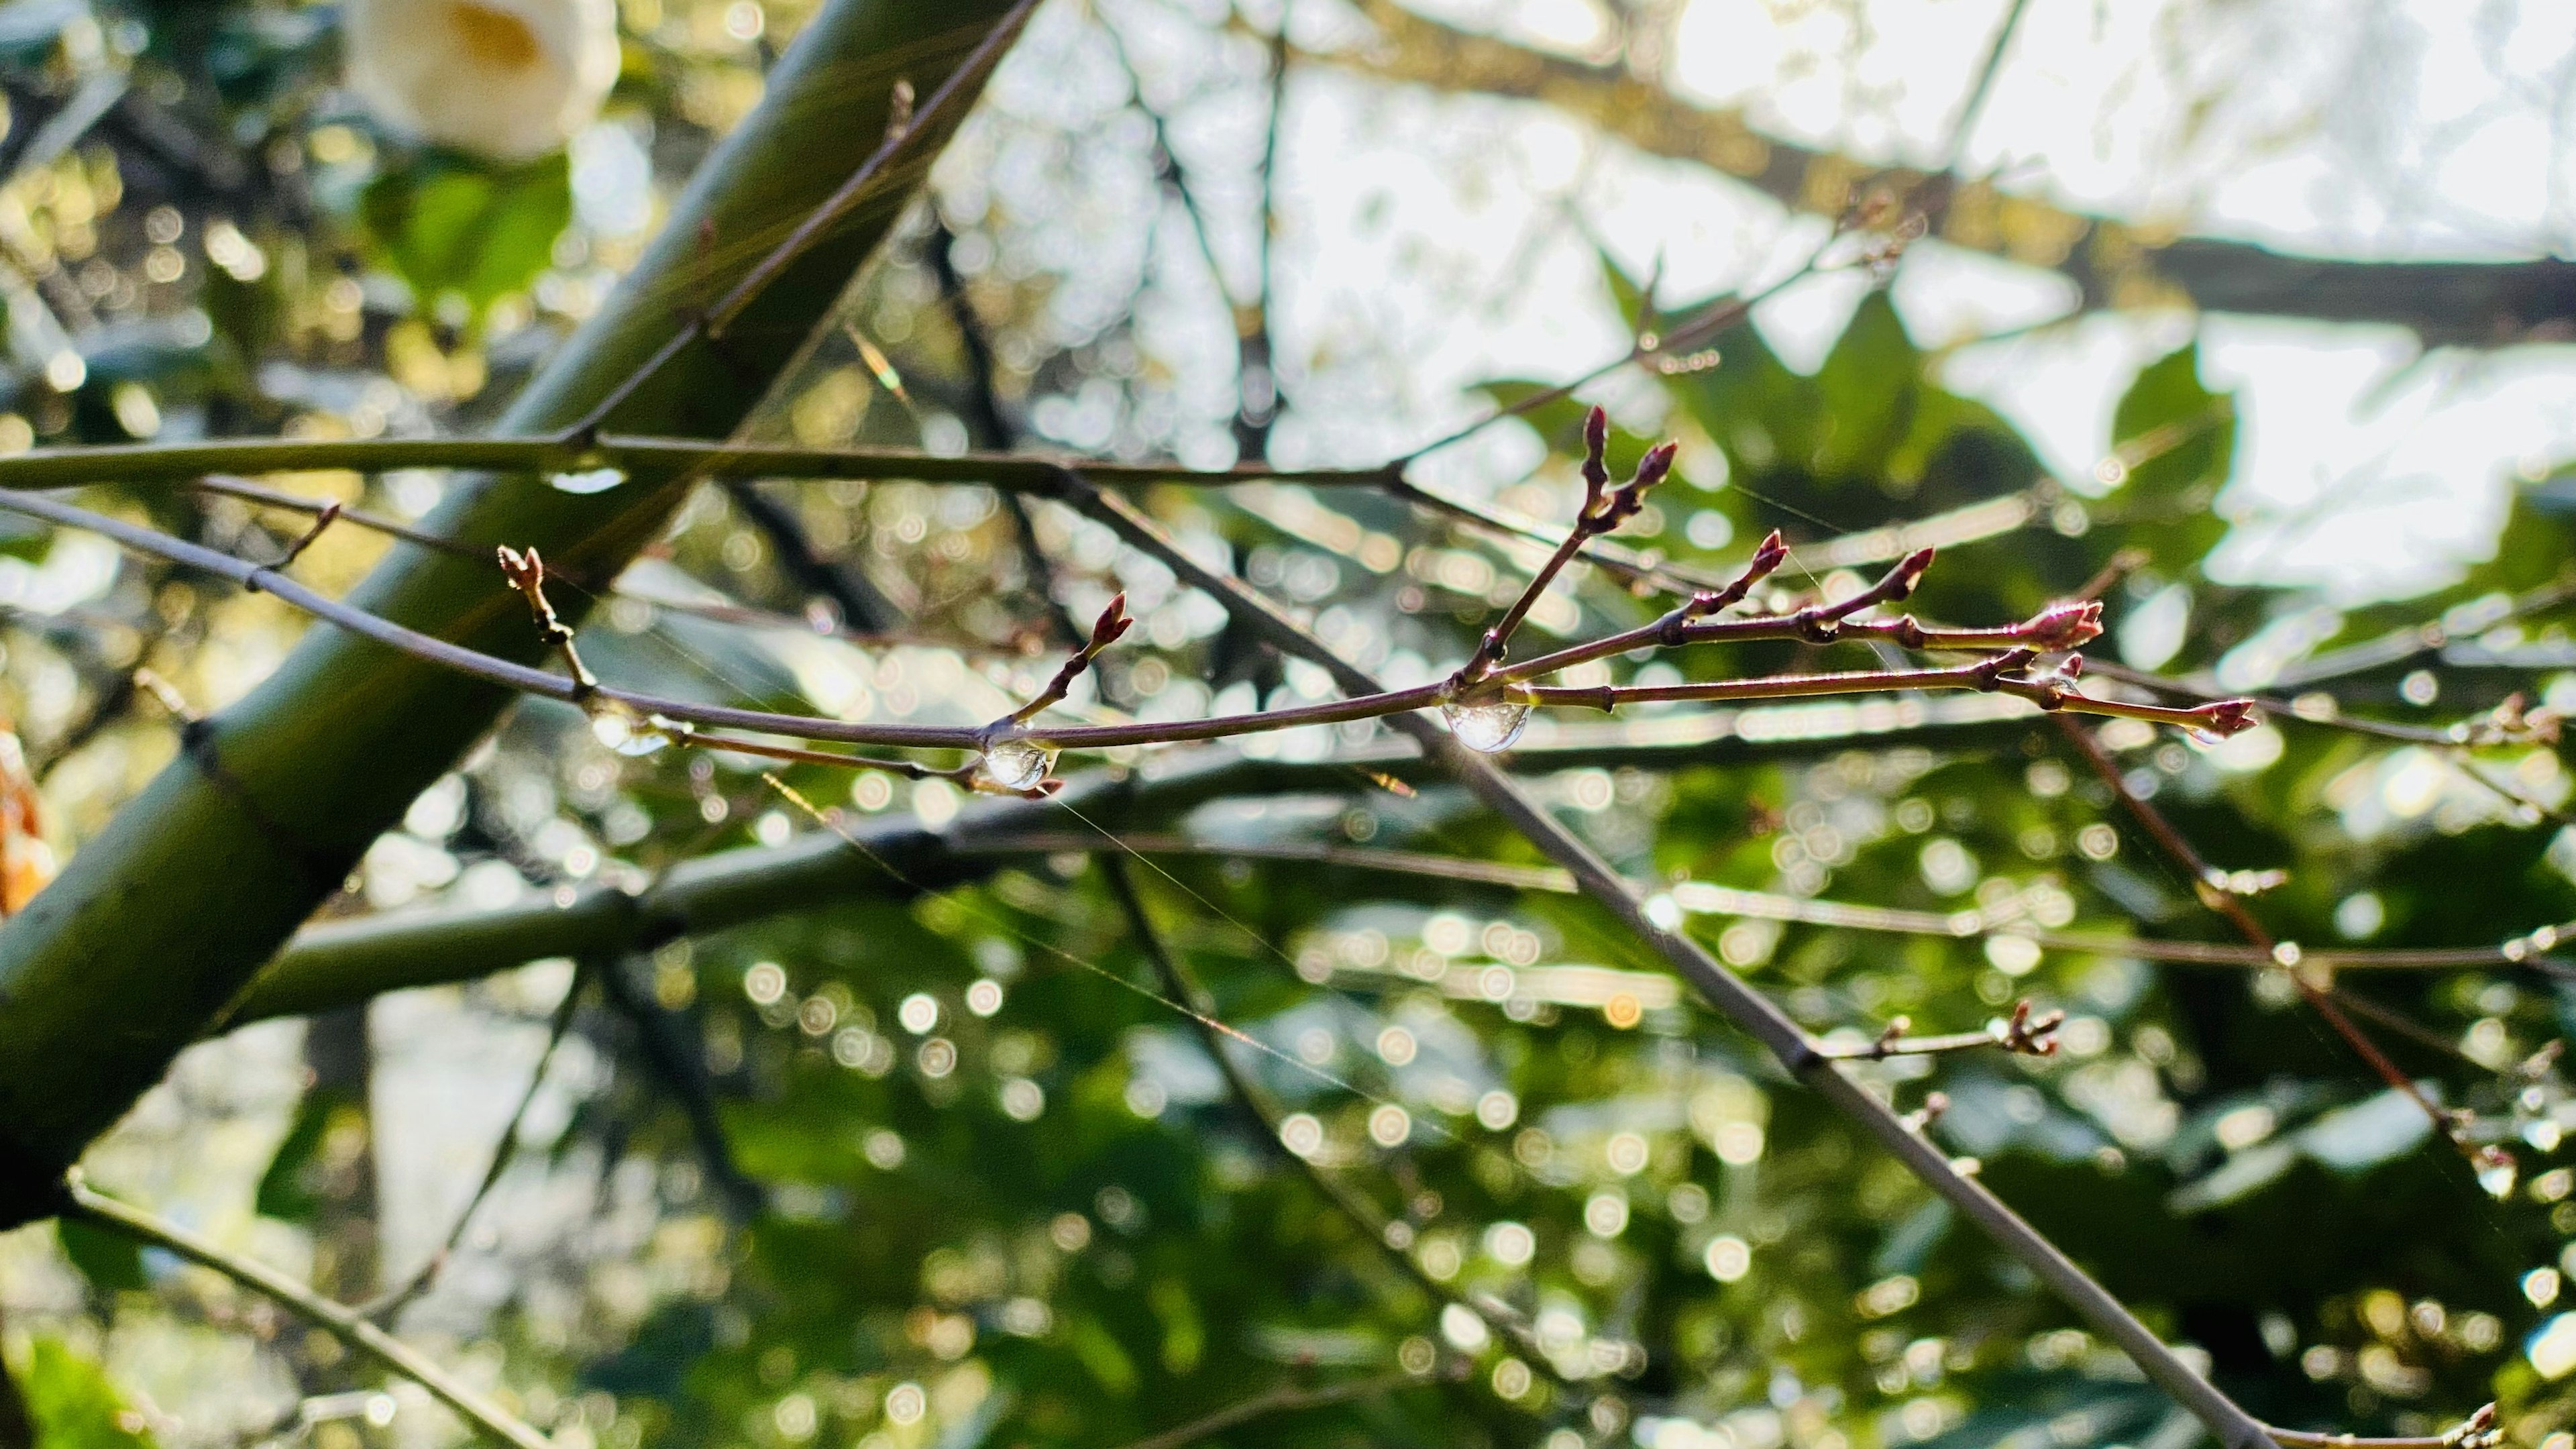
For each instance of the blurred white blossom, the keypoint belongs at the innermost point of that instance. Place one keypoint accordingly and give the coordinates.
(508, 79)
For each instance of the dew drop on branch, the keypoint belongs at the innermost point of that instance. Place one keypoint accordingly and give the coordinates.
(627, 732)
(1486, 725)
(1015, 765)
(2496, 1172)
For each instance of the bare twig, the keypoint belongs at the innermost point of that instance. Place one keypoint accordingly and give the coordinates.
(1108, 629)
(322, 521)
(2209, 884)
(1604, 509)
(2478, 1431)
(527, 574)
(663, 713)
(1282, 1399)
(2235, 1428)
(1701, 897)
(2018, 1035)
(392, 1301)
(343, 1321)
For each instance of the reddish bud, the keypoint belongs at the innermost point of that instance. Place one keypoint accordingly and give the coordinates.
(2225, 717)
(2066, 626)
(1907, 573)
(1112, 624)
(1596, 445)
(521, 569)
(1654, 467)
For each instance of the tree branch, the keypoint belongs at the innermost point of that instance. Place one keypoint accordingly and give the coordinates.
(676, 717)
(1263, 1111)
(2476, 304)
(350, 1326)
(1767, 1023)
(1285, 1398)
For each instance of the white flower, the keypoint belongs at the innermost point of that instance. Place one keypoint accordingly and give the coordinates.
(508, 79)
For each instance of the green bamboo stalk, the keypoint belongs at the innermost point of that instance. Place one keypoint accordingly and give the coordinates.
(567, 450)
(162, 919)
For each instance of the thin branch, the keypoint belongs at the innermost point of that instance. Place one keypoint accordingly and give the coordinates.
(185, 463)
(2401, 645)
(249, 492)
(1110, 627)
(2208, 885)
(1263, 1111)
(669, 715)
(987, 423)
(2018, 1035)
(346, 1323)
(503, 1150)
(1965, 124)
(2478, 1431)
(1604, 509)
(1253, 419)
(527, 574)
(1703, 898)
(903, 123)
(745, 615)
(1673, 346)
(1283, 1399)
(2234, 1427)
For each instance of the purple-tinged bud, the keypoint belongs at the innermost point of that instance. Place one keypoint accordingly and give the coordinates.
(1907, 573)
(1654, 467)
(2225, 717)
(2065, 626)
(1596, 445)
(1112, 624)
(1773, 552)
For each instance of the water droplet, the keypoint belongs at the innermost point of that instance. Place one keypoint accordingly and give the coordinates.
(1486, 725)
(626, 732)
(589, 480)
(1015, 765)
(2206, 737)
(2496, 1172)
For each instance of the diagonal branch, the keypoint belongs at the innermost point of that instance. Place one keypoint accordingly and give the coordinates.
(504, 1149)
(676, 718)
(2208, 884)
(2475, 304)
(1258, 1105)
(351, 1326)
(1284, 1399)
(1765, 1022)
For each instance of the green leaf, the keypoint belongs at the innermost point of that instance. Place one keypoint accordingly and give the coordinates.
(2176, 440)
(73, 1404)
(109, 1260)
(287, 1189)
(1100, 1352)
(446, 225)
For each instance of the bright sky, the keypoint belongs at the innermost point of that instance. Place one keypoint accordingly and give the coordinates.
(1433, 241)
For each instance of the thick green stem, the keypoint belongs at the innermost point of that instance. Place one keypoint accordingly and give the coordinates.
(164, 917)
(341, 962)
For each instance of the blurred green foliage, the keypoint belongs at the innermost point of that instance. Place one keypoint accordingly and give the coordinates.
(909, 1171)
